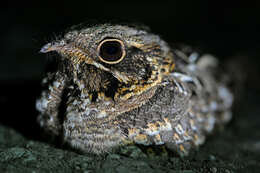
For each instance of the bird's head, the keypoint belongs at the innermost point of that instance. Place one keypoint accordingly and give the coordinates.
(114, 62)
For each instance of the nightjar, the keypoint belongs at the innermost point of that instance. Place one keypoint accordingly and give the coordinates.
(117, 84)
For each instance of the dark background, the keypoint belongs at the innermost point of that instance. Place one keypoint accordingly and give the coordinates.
(230, 30)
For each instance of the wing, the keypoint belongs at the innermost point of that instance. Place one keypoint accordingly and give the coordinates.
(185, 108)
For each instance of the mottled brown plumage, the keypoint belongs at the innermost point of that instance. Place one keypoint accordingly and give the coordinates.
(117, 84)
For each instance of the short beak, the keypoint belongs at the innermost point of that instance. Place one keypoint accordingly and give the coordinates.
(50, 47)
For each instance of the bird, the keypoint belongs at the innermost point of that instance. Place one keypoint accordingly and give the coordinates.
(118, 84)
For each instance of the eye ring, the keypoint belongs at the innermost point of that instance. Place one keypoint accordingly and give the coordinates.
(111, 51)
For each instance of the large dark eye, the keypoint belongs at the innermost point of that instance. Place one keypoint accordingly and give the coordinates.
(111, 51)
